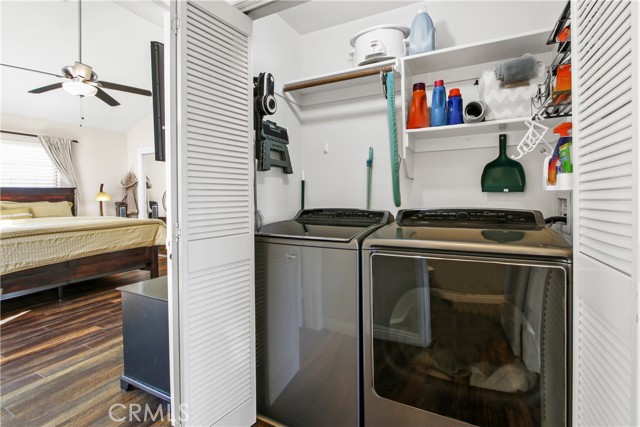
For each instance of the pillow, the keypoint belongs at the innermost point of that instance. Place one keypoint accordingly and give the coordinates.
(49, 209)
(9, 205)
(41, 209)
(19, 213)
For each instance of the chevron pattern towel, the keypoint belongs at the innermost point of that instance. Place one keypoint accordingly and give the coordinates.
(508, 103)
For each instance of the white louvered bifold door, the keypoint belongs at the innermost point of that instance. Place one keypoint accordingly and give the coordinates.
(605, 307)
(215, 334)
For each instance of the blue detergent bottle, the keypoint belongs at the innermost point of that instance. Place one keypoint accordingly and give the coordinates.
(423, 34)
(454, 107)
(439, 104)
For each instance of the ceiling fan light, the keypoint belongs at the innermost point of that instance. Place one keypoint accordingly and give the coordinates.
(79, 88)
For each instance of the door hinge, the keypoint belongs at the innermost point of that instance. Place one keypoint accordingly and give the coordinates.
(178, 232)
(175, 24)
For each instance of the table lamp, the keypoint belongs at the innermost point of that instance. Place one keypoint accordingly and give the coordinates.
(102, 197)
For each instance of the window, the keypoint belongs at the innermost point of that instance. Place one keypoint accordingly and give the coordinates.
(26, 164)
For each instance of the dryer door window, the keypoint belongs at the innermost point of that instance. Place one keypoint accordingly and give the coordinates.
(480, 342)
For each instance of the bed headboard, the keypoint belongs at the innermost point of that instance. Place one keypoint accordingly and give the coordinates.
(39, 194)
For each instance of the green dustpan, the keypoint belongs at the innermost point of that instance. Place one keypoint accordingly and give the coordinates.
(503, 175)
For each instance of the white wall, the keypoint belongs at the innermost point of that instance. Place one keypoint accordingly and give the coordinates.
(100, 157)
(276, 49)
(447, 178)
(141, 136)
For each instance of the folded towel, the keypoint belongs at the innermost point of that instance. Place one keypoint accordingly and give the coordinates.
(518, 69)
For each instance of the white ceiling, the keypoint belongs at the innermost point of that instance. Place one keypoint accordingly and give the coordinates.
(43, 35)
(321, 14)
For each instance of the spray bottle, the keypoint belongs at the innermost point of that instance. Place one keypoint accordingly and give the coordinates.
(560, 161)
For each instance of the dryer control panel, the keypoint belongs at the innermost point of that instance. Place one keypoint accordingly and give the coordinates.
(470, 218)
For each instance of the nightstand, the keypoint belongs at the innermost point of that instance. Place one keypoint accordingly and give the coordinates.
(145, 337)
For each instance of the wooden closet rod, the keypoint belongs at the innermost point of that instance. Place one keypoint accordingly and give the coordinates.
(27, 134)
(338, 78)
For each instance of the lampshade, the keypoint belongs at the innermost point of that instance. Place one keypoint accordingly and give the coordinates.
(79, 88)
(102, 196)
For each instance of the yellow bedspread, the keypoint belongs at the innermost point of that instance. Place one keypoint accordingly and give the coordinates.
(27, 243)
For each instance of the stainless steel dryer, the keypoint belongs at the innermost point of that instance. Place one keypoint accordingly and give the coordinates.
(308, 295)
(467, 320)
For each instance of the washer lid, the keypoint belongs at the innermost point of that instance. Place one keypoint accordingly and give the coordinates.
(341, 225)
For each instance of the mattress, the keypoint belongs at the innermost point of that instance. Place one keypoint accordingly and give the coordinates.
(35, 242)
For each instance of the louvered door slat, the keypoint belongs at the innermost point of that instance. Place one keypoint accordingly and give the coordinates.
(612, 161)
(615, 25)
(216, 247)
(598, 14)
(602, 174)
(225, 72)
(609, 123)
(200, 81)
(224, 100)
(618, 60)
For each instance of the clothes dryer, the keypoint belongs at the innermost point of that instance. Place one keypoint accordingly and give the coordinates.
(467, 320)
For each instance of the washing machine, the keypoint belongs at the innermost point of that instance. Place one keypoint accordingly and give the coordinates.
(308, 302)
(467, 320)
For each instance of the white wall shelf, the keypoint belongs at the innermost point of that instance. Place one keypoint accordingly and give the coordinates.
(494, 50)
(450, 63)
(445, 138)
(459, 63)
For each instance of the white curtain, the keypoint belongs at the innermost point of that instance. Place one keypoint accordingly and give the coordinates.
(59, 151)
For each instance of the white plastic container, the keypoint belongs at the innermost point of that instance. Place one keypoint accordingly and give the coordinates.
(423, 33)
(379, 44)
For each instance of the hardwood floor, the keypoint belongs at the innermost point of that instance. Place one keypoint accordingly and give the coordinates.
(61, 361)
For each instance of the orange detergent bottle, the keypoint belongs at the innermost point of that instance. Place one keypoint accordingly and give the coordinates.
(418, 113)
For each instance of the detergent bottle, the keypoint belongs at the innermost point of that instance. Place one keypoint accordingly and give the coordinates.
(423, 34)
(454, 107)
(560, 161)
(419, 113)
(439, 104)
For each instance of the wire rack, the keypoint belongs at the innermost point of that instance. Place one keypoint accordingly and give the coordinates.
(549, 103)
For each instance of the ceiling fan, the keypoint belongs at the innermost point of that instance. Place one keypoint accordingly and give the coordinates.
(80, 78)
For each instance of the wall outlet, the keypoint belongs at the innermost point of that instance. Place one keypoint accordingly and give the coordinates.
(564, 208)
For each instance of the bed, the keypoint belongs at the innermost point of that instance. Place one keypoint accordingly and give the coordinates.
(33, 260)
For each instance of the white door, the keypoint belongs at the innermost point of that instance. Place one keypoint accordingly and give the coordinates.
(212, 270)
(606, 253)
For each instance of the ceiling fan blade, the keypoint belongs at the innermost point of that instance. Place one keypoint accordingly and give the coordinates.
(123, 88)
(106, 98)
(34, 71)
(46, 88)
